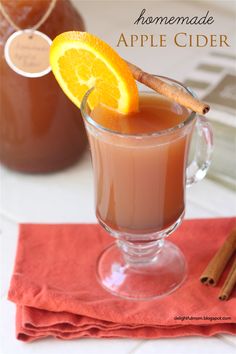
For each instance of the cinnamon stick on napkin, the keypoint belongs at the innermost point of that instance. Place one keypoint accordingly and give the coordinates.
(215, 268)
(229, 283)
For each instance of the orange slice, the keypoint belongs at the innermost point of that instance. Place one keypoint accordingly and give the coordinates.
(80, 61)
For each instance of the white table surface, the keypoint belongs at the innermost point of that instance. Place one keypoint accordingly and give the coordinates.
(67, 196)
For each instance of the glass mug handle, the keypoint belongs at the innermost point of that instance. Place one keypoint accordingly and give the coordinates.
(199, 166)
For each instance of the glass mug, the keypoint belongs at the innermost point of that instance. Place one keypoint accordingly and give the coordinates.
(140, 184)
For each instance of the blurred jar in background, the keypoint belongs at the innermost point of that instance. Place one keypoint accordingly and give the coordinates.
(40, 129)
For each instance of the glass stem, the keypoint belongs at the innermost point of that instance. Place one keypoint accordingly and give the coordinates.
(140, 253)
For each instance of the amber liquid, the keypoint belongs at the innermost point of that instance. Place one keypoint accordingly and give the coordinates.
(40, 129)
(140, 182)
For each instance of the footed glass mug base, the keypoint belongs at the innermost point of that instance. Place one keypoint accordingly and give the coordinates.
(160, 276)
(138, 270)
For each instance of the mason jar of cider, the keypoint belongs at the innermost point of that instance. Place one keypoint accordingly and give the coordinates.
(40, 129)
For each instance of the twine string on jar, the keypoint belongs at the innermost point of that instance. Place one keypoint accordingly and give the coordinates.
(37, 25)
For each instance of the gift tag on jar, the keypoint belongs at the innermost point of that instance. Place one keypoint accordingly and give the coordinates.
(27, 53)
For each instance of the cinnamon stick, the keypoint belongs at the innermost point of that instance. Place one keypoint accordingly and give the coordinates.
(172, 92)
(229, 284)
(213, 271)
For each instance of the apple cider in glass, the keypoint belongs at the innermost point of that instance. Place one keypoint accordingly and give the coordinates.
(140, 181)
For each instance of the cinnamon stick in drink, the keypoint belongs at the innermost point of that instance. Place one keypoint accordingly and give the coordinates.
(172, 92)
(215, 268)
(229, 284)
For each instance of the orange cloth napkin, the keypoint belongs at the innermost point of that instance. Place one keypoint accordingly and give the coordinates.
(55, 288)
